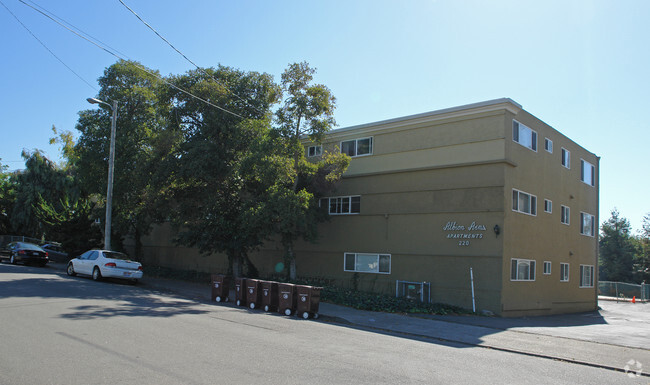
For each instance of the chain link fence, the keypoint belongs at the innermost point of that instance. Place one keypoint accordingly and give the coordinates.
(624, 290)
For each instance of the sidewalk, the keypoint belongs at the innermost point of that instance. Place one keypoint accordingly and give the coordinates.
(608, 338)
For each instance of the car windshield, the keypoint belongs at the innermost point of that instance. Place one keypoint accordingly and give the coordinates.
(29, 246)
(116, 255)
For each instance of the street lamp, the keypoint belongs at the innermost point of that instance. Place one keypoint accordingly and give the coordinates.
(111, 165)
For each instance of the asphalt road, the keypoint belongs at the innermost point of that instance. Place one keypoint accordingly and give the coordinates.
(60, 330)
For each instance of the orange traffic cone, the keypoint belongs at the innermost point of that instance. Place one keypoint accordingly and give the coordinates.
(634, 299)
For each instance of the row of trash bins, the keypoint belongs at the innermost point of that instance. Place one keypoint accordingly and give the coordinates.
(287, 298)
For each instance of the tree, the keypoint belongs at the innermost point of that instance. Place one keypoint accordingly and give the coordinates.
(7, 198)
(642, 260)
(140, 129)
(41, 179)
(617, 250)
(215, 195)
(307, 111)
(72, 224)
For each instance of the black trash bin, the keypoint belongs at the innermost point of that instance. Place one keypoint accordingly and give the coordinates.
(269, 295)
(253, 293)
(286, 298)
(240, 291)
(220, 287)
(308, 300)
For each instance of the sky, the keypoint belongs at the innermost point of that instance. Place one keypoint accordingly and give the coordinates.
(583, 67)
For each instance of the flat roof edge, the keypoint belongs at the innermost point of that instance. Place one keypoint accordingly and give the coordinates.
(472, 106)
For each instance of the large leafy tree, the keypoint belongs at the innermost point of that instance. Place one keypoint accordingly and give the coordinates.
(7, 198)
(140, 130)
(215, 195)
(306, 112)
(41, 179)
(617, 249)
(71, 223)
(642, 260)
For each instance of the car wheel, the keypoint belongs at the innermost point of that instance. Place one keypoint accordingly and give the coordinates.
(70, 270)
(12, 259)
(97, 275)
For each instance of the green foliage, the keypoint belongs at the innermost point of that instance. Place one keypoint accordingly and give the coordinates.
(140, 139)
(7, 198)
(385, 303)
(41, 179)
(72, 224)
(307, 110)
(642, 259)
(617, 250)
(218, 174)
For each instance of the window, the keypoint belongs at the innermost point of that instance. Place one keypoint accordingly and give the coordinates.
(548, 206)
(524, 135)
(547, 268)
(564, 272)
(587, 172)
(566, 158)
(587, 224)
(314, 151)
(342, 205)
(522, 270)
(524, 203)
(564, 215)
(586, 276)
(357, 147)
(548, 145)
(367, 263)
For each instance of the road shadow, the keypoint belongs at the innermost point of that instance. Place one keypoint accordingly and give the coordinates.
(112, 298)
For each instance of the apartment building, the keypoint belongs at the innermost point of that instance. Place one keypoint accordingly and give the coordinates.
(483, 195)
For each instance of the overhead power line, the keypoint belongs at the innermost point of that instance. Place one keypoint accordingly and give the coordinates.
(186, 58)
(47, 48)
(142, 68)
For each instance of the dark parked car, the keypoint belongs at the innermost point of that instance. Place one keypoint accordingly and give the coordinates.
(56, 252)
(26, 253)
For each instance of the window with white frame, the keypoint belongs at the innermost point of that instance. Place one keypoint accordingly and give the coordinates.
(587, 224)
(586, 276)
(547, 267)
(587, 172)
(566, 158)
(314, 151)
(524, 202)
(564, 272)
(342, 205)
(524, 135)
(548, 206)
(367, 263)
(522, 270)
(357, 147)
(548, 145)
(564, 215)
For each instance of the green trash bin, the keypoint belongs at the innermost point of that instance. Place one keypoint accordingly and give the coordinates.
(308, 300)
(220, 287)
(286, 298)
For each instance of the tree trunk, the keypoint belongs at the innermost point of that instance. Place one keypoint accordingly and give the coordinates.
(236, 266)
(138, 244)
(290, 258)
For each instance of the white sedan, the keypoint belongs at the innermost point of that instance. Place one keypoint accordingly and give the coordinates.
(105, 264)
